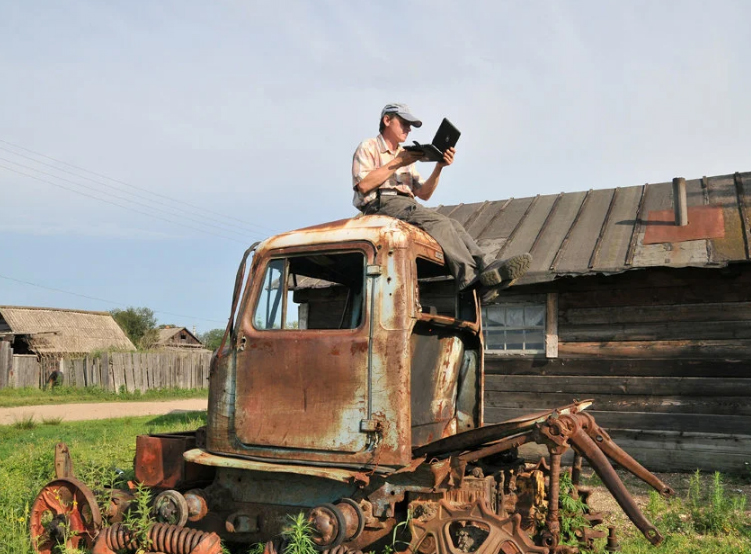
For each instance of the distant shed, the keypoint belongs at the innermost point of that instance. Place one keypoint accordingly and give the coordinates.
(178, 337)
(621, 304)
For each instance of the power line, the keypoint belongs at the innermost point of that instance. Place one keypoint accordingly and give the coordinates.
(118, 197)
(120, 205)
(243, 228)
(104, 300)
(135, 187)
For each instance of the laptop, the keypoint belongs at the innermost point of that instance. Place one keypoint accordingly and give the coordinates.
(446, 137)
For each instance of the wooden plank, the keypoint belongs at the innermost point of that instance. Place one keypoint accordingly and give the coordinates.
(675, 440)
(584, 387)
(6, 362)
(721, 311)
(551, 325)
(673, 461)
(697, 423)
(537, 401)
(118, 371)
(735, 349)
(675, 330)
(529, 365)
(130, 377)
(104, 371)
(78, 368)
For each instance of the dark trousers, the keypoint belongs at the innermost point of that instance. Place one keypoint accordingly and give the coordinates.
(464, 258)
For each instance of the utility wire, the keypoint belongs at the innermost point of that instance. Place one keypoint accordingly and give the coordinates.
(243, 228)
(136, 187)
(120, 205)
(118, 197)
(104, 300)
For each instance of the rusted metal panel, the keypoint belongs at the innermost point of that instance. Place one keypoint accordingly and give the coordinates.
(722, 193)
(616, 237)
(530, 227)
(704, 222)
(466, 213)
(552, 235)
(159, 461)
(201, 457)
(502, 227)
(583, 236)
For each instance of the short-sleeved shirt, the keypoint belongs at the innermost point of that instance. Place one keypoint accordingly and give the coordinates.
(372, 154)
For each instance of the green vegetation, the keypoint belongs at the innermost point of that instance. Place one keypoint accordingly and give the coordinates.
(67, 395)
(707, 521)
(212, 339)
(139, 324)
(101, 450)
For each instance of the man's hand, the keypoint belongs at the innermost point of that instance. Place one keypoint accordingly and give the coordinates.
(406, 157)
(448, 157)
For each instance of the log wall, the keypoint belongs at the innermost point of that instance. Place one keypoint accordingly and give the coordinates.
(665, 354)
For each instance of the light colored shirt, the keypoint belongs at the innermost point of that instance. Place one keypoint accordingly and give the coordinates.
(372, 154)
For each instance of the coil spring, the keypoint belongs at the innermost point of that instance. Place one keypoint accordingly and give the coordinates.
(166, 538)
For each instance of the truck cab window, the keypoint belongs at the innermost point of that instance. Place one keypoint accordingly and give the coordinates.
(320, 291)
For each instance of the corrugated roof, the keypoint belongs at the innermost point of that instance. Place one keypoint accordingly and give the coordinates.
(52, 330)
(603, 231)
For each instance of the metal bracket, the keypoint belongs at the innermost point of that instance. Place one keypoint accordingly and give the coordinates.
(373, 270)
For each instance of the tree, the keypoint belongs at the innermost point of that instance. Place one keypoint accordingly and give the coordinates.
(212, 339)
(138, 323)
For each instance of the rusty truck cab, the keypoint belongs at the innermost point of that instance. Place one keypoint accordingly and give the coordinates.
(350, 347)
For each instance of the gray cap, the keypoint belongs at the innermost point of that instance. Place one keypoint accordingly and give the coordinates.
(402, 110)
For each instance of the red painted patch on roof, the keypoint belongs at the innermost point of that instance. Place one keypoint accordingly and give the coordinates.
(704, 222)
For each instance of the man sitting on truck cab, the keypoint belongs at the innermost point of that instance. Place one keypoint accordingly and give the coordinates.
(385, 181)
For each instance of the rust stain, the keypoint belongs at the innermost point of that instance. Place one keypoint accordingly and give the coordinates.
(704, 222)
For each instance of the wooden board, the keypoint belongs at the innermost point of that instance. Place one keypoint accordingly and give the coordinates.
(667, 331)
(537, 401)
(585, 387)
(707, 349)
(676, 367)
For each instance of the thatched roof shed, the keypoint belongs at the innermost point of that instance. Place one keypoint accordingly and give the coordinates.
(50, 331)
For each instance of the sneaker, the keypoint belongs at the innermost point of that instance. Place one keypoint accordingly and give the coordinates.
(505, 271)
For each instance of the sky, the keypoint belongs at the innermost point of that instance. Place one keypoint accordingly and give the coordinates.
(145, 145)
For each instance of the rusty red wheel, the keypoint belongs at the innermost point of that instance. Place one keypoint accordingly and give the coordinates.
(64, 512)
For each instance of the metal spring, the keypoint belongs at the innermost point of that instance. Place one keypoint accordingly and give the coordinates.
(166, 538)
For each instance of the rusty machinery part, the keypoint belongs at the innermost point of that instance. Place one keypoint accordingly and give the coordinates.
(163, 538)
(440, 528)
(619, 456)
(170, 507)
(329, 528)
(197, 505)
(565, 430)
(354, 518)
(64, 512)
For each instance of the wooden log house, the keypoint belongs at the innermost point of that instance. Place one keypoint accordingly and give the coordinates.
(622, 304)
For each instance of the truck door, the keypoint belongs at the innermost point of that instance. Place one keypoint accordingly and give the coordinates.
(302, 372)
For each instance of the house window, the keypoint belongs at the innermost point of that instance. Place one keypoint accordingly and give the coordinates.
(514, 327)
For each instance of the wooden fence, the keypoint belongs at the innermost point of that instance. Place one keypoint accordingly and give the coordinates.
(114, 371)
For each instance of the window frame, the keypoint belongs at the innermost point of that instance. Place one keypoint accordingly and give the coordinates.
(285, 255)
(548, 303)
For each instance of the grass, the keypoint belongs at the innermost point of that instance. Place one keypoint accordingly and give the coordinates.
(10, 398)
(101, 450)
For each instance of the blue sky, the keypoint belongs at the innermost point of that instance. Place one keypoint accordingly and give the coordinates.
(239, 119)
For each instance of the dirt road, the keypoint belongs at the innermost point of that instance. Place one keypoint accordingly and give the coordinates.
(79, 412)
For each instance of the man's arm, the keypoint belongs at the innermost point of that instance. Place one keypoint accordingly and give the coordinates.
(376, 177)
(427, 189)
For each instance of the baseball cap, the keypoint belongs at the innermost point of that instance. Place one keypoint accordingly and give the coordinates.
(402, 110)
